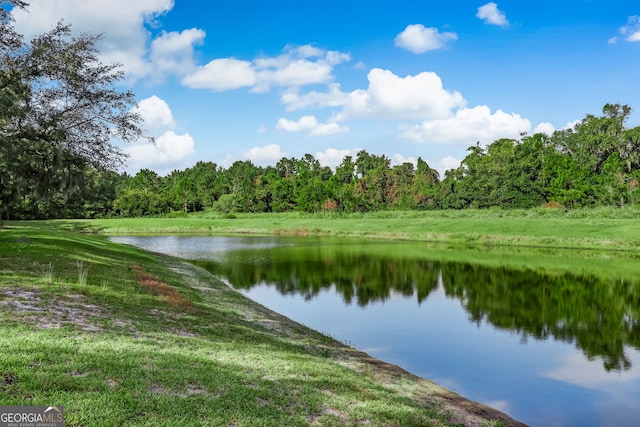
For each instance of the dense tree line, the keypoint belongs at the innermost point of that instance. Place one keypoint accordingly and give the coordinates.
(597, 162)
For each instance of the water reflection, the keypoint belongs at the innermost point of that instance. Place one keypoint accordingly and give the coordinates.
(600, 317)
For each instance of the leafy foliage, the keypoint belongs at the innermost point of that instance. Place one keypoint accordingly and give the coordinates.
(59, 116)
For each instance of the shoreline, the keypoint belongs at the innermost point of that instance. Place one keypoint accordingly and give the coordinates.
(79, 314)
(463, 410)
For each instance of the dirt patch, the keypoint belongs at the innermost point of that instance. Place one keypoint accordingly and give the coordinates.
(55, 312)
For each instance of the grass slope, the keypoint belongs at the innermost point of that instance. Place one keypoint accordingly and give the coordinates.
(120, 337)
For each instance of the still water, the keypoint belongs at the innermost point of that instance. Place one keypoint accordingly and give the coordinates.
(548, 349)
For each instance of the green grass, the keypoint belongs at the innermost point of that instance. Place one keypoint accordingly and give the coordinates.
(617, 229)
(119, 336)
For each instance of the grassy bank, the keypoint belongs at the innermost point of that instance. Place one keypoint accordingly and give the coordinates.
(119, 337)
(617, 229)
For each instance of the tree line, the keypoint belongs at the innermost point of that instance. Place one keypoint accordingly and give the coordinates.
(595, 163)
(61, 111)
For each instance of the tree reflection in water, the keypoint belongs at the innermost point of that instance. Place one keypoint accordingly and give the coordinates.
(600, 316)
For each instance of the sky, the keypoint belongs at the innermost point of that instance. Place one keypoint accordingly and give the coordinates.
(259, 80)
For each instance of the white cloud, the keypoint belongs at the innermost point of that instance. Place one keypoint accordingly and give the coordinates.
(304, 123)
(398, 159)
(126, 40)
(576, 369)
(311, 124)
(419, 39)
(156, 114)
(297, 72)
(122, 22)
(332, 157)
(172, 52)
(297, 66)
(631, 31)
(549, 129)
(389, 97)
(572, 125)
(544, 127)
(222, 74)
(266, 155)
(490, 14)
(468, 126)
(169, 150)
(613, 40)
(445, 164)
(333, 98)
(328, 129)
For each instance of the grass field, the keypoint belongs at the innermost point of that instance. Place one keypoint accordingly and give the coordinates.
(612, 229)
(120, 337)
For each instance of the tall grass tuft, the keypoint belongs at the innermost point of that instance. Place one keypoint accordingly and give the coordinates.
(83, 272)
(47, 272)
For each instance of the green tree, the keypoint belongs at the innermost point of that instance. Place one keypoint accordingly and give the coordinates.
(425, 186)
(59, 112)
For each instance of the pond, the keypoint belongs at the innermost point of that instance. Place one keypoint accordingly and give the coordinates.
(548, 348)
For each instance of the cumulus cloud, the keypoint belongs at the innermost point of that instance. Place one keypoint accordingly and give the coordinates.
(126, 40)
(172, 52)
(311, 124)
(328, 129)
(293, 100)
(468, 126)
(398, 159)
(265, 155)
(491, 15)
(333, 157)
(631, 31)
(122, 22)
(419, 39)
(304, 123)
(445, 164)
(419, 97)
(296, 67)
(169, 149)
(222, 74)
(572, 124)
(156, 114)
(544, 127)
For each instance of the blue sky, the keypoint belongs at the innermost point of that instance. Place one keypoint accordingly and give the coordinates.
(260, 80)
